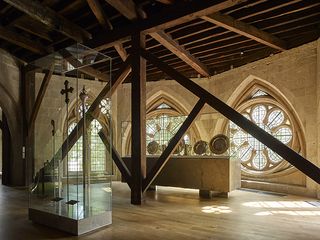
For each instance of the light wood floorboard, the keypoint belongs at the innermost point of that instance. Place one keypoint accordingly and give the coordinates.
(172, 213)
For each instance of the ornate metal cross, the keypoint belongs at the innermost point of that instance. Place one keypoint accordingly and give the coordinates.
(66, 91)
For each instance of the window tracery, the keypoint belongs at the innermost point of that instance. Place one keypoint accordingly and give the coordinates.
(97, 149)
(268, 114)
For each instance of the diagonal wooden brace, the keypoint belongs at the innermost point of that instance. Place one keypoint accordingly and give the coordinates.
(117, 159)
(163, 159)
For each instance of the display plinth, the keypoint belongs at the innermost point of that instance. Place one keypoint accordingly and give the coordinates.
(70, 225)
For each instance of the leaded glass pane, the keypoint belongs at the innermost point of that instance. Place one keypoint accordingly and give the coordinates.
(163, 106)
(275, 158)
(275, 118)
(239, 138)
(259, 161)
(105, 106)
(259, 113)
(75, 154)
(259, 93)
(98, 155)
(284, 134)
(244, 153)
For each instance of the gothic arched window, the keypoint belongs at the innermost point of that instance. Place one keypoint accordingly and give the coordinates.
(257, 159)
(97, 150)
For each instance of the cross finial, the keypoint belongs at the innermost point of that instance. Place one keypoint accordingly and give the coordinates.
(66, 91)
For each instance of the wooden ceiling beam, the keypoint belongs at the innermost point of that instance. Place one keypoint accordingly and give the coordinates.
(246, 30)
(50, 18)
(97, 10)
(165, 19)
(121, 51)
(126, 7)
(180, 52)
(22, 41)
(34, 27)
(166, 1)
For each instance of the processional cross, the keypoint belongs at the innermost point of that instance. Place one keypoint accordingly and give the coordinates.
(66, 91)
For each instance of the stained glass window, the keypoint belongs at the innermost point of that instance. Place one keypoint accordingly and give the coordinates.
(105, 106)
(97, 150)
(255, 156)
(259, 93)
(75, 154)
(162, 128)
(163, 106)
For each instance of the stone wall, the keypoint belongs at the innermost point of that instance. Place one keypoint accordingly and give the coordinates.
(10, 103)
(294, 73)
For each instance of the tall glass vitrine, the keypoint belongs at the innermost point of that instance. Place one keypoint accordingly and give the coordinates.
(71, 188)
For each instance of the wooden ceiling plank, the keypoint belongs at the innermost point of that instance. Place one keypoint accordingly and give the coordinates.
(34, 27)
(50, 18)
(22, 41)
(163, 20)
(128, 9)
(246, 30)
(180, 52)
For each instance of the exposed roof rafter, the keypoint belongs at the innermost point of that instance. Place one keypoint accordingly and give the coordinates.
(167, 41)
(245, 29)
(22, 41)
(50, 18)
(128, 9)
(97, 10)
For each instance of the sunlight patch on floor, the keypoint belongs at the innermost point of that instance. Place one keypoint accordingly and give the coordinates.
(290, 213)
(279, 204)
(216, 209)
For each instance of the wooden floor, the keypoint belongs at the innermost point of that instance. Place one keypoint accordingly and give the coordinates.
(172, 213)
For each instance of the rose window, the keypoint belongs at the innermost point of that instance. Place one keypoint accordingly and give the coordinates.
(255, 157)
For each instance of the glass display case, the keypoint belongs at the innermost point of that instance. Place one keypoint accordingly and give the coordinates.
(71, 188)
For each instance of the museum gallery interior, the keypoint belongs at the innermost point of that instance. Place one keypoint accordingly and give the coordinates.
(159, 119)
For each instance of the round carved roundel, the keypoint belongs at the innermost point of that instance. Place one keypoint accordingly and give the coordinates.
(152, 147)
(200, 147)
(219, 144)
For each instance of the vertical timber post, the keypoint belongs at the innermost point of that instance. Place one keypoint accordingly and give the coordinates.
(138, 118)
(28, 85)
